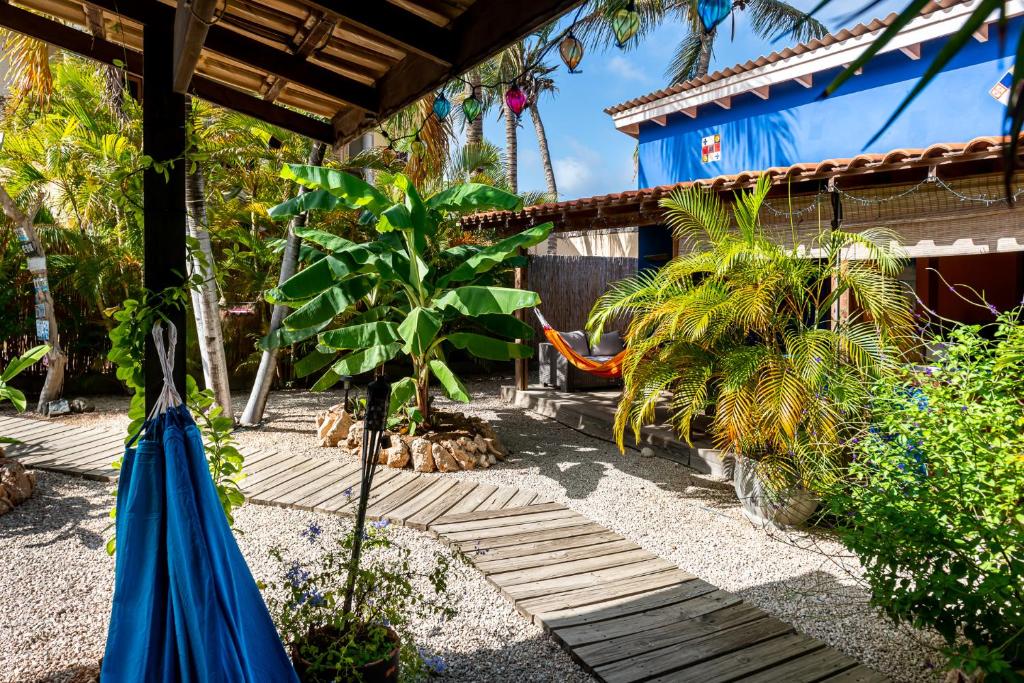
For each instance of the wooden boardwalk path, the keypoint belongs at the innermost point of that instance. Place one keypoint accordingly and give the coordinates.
(623, 613)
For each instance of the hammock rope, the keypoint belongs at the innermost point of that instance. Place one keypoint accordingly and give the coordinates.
(610, 368)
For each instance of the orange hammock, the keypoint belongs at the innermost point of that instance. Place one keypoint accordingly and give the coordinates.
(609, 368)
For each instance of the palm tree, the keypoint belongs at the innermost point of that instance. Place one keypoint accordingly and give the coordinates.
(744, 324)
(693, 53)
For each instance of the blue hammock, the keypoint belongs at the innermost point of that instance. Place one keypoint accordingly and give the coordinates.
(186, 607)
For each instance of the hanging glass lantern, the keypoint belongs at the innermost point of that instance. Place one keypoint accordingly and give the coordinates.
(515, 98)
(713, 12)
(571, 50)
(442, 106)
(417, 147)
(471, 107)
(625, 23)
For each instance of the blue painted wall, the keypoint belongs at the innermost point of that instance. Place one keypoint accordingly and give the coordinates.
(795, 126)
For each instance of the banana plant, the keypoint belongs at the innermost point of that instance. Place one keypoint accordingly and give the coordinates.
(404, 294)
(15, 367)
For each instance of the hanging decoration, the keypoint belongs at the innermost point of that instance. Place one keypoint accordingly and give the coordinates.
(713, 12)
(417, 147)
(571, 50)
(471, 107)
(442, 106)
(625, 23)
(515, 98)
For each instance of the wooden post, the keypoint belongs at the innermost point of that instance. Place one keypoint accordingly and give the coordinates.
(522, 364)
(163, 140)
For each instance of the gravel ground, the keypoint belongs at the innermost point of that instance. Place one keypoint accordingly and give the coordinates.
(691, 519)
(58, 582)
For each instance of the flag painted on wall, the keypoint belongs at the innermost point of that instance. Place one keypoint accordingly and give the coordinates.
(711, 148)
(1001, 90)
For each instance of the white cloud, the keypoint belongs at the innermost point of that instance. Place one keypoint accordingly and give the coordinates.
(573, 174)
(626, 69)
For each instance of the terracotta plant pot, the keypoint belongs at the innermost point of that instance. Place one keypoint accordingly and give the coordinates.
(791, 507)
(384, 670)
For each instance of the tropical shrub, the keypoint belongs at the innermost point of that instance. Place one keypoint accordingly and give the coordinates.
(934, 506)
(308, 605)
(743, 323)
(406, 293)
(14, 367)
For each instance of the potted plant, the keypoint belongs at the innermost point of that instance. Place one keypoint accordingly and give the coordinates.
(368, 642)
(745, 323)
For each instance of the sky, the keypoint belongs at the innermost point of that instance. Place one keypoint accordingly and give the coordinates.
(589, 156)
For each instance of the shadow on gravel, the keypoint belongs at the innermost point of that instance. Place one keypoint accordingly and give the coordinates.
(54, 518)
(72, 674)
(521, 661)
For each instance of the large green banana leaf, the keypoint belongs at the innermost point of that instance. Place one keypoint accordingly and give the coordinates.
(474, 301)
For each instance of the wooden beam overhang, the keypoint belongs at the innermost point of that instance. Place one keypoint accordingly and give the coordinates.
(191, 24)
(101, 50)
(382, 19)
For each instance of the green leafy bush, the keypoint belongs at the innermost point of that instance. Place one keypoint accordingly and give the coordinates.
(934, 506)
(406, 293)
(308, 605)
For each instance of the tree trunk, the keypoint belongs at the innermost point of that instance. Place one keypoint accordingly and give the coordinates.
(55, 360)
(474, 130)
(116, 86)
(707, 41)
(423, 392)
(257, 403)
(206, 298)
(545, 153)
(511, 149)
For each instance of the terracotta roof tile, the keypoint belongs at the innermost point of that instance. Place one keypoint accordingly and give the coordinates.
(985, 146)
(800, 48)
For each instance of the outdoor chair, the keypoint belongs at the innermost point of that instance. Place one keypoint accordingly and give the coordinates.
(557, 371)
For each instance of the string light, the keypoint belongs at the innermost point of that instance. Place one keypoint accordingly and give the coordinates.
(625, 24)
(515, 98)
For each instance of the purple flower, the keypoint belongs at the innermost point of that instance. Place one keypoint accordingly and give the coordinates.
(901, 466)
(993, 309)
(312, 532)
(382, 524)
(314, 597)
(296, 575)
(435, 664)
(347, 492)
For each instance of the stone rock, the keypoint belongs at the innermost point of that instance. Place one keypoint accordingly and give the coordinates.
(422, 455)
(334, 428)
(444, 459)
(492, 459)
(16, 483)
(482, 461)
(646, 452)
(355, 435)
(397, 455)
(58, 408)
(480, 443)
(80, 405)
(465, 458)
(467, 444)
(496, 448)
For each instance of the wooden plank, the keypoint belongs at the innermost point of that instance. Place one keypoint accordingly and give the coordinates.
(286, 481)
(526, 551)
(737, 665)
(810, 667)
(858, 674)
(498, 514)
(289, 461)
(522, 498)
(517, 530)
(394, 24)
(557, 554)
(499, 499)
(89, 455)
(589, 579)
(549, 534)
(610, 590)
(17, 427)
(63, 451)
(315, 480)
(671, 659)
(443, 527)
(401, 514)
(571, 567)
(472, 501)
(671, 634)
(309, 496)
(422, 519)
(379, 490)
(380, 509)
(252, 467)
(651, 608)
(278, 474)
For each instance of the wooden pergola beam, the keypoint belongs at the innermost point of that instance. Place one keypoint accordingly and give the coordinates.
(390, 22)
(191, 24)
(259, 55)
(308, 43)
(100, 50)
